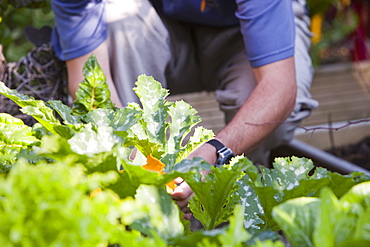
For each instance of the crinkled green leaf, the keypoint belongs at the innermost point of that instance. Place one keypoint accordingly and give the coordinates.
(124, 118)
(90, 140)
(37, 109)
(14, 137)
(181, 124)
(249, 199)
(155, 107)
(236, 234)
(100, 117)
(327, 221)
(183, 119)
(49, 206)
(164, 125)
(216, 197)
(65, 112)
(199, 137)
(160, 214)
(297, 218)
(291, 178)
(93, 92)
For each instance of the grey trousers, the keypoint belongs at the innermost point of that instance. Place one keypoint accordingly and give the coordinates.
(187, 58)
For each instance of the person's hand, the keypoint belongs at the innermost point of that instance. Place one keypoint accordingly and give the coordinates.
(181, 195)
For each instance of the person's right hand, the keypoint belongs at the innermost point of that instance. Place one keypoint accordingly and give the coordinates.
(181, 195)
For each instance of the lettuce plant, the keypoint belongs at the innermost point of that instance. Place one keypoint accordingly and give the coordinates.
(327, 220)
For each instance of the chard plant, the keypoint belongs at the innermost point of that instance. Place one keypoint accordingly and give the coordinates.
(70, 178)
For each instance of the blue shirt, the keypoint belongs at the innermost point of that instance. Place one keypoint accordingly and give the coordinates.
(267, 26)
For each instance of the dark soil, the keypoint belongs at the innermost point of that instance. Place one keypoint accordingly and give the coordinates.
(358, 153)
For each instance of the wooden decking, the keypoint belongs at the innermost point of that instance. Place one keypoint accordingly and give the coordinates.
(339, 93)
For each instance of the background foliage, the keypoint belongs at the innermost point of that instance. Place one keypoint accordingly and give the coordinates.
(15, 16)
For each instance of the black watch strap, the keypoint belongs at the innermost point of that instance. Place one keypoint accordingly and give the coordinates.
(224, 154)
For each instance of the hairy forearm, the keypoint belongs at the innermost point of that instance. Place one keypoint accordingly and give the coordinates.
(270, 103)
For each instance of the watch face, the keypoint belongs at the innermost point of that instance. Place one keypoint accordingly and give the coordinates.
(224, 154)
(224, 157)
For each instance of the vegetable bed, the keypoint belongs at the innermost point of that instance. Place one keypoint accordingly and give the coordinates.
(69, 180)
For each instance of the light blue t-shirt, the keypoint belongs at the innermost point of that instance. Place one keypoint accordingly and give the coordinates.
(267, 26)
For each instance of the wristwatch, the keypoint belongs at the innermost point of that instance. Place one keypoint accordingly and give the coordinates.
(224, 154)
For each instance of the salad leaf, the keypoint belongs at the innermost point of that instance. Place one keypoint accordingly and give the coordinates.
(291, 177)
(327, 221)
(90, 140)
(37, 109)
(161, 215)
(50, 208)
(299, 216)
(15, 136)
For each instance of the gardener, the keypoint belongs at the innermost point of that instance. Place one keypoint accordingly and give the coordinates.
(254, 54)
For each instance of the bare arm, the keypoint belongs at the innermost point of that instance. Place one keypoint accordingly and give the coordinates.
(272, 101)
(75, 75)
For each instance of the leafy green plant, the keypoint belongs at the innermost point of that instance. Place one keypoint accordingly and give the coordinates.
(72, 180)
(15, 16)
(327, 220)
(331, 31)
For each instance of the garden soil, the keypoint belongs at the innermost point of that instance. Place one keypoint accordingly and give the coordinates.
(358, 153)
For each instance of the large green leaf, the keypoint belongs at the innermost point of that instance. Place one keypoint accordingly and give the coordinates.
(15, 136)
(154, 212)
(164, 125)
(327, 221)
(37, 109)
(47, 205)
(93, 92)
(292, 177)
(215, 197)
(346, 219)
(297, 218)
(155, 107)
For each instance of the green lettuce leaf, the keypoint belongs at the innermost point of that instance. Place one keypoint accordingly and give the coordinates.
(51, 207)
(291, 177)
(15, 136)
(327, 221)
(38, 109)
(90, 140)
(297, 218)
(153, 212)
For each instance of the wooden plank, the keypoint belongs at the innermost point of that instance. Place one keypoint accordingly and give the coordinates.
(339, 94)
(207, 107)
